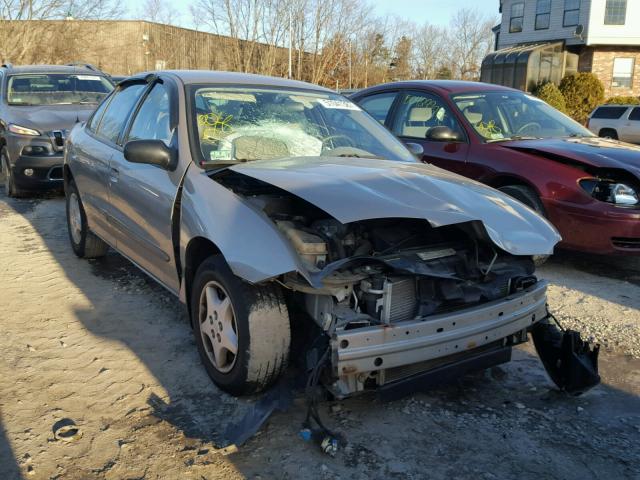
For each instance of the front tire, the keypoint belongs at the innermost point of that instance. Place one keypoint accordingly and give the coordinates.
(530, 198)
(242, 331)
(84, 242)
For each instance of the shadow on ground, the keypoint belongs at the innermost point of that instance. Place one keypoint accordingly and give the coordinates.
(501, 423)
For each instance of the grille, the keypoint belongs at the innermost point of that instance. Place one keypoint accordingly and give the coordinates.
(627, 243)
(400, 300)
(55, 173)
(398, 373)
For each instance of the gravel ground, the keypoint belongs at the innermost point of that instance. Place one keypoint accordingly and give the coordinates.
(99, 343)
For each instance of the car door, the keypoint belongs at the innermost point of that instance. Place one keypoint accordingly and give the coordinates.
(413, 117)
(142, 195)
(632, 129)
(93, 153)
(90, 159)
(378, 105)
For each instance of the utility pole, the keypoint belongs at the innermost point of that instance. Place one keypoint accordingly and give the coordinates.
(290, 43)
(350, 67)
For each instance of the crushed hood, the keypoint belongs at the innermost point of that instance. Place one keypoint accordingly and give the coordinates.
(50, 117)
(589, 151)
(353, 189)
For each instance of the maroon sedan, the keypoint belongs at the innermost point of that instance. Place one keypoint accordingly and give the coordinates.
(588, 187)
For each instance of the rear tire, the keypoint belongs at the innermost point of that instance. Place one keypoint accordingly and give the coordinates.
(230, 314)
(608, 133)
(84, 242)
(10, 188)
(530, 198)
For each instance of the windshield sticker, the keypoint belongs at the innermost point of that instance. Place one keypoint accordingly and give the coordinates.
(338, 104)
(220, 154)
(87, 77)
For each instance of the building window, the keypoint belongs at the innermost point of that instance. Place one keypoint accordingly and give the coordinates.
(615, 12)
(571, 13)
(543, 14)
(517, 17)
(622, 72)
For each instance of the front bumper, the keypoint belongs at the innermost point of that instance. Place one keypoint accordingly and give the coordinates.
(385, 353)
(47, 172)
(596, 227)
(46, 166)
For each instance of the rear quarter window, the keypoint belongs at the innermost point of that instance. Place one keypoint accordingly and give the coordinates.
(609, 113)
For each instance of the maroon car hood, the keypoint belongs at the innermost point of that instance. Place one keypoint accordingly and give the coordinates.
(588, 151)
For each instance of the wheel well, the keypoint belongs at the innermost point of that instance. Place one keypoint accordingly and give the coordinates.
(504, 180)
(66, 175)
(607, 129)
(198, 250)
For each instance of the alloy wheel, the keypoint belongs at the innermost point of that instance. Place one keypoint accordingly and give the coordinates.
(218, 327)
(75, 218)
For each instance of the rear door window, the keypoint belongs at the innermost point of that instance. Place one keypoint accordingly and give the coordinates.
(635, 114)
(609, 113)
(116, 115)
(378, 105)
(94, 121)
(419, 112)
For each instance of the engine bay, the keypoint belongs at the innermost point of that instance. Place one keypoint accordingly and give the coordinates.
(383, 271)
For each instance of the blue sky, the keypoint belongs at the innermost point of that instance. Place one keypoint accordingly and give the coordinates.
(436, 12)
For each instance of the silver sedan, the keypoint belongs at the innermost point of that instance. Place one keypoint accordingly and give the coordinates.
(280, 212)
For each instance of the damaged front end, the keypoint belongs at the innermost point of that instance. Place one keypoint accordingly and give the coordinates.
(400, 303)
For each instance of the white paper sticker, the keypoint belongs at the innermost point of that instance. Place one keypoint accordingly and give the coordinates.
(87, 77)
(339, 104)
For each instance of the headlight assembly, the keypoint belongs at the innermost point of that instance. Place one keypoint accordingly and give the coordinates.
(13, 128)
(610, 191)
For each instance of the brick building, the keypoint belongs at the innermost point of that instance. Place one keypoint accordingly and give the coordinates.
(544, 40)
(125, 47)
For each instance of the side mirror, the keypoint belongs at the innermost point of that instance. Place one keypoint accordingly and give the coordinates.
(152, 152)
(443, 133)
(416, 149)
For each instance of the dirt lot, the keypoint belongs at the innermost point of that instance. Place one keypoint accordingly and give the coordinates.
(99, 343)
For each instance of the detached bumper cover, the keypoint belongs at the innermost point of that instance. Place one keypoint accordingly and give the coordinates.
(382, 347)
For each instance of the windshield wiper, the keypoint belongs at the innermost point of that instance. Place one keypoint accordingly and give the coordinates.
(513, 137)
(355, 155)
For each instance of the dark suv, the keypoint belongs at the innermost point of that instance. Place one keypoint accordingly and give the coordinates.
(39, 104)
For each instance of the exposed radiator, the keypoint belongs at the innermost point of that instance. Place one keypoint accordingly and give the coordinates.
(399, 300)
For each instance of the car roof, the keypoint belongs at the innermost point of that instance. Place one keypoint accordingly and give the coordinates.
(608, 105)
(444, 86)
(51, 69)
(190, 77)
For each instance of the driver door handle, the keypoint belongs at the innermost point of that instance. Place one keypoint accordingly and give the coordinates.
(113, 175)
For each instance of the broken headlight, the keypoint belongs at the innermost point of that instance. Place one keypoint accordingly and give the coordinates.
(611, 192)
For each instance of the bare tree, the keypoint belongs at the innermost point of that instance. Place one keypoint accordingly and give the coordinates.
(159, 11)
(431, 51)
(470, 40)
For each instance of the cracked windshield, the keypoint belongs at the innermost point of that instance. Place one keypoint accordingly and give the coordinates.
(503, 116)
(57, 89)
(241, 125)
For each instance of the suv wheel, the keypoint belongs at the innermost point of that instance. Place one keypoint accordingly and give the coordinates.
(530, 198)
(10, 188)
(84, 242)
(242, 330)
(608, 133)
